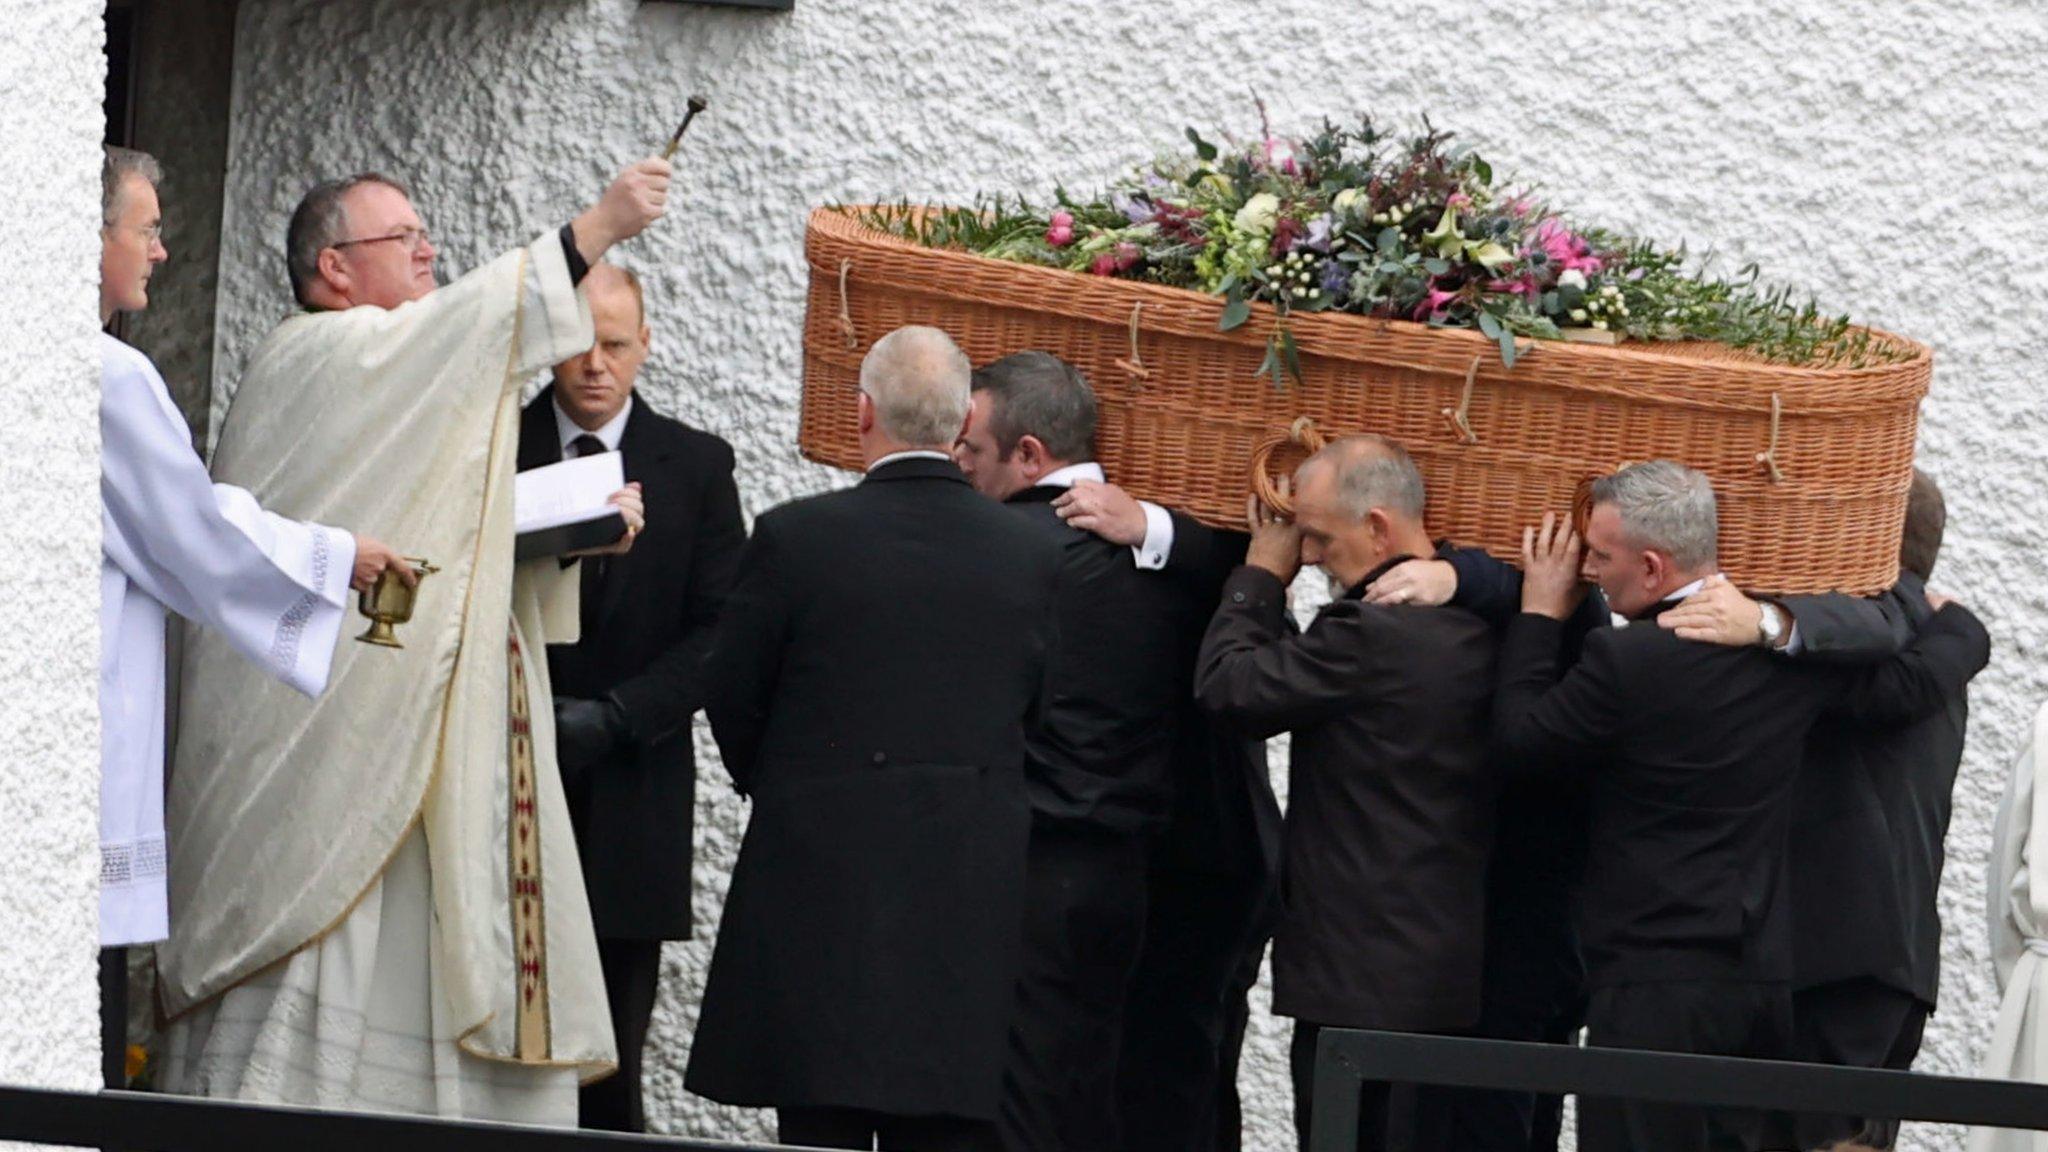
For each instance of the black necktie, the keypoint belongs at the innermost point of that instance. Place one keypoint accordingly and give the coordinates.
(593, 566)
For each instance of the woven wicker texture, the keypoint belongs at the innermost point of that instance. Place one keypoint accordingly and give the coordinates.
(1812, 466)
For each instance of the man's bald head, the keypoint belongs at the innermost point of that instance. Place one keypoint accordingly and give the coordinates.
(594, 387)
(1366, 472)
(1358, 503)
(609, 279)
(916, 380)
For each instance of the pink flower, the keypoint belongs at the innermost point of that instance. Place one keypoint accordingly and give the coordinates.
(1103, 265)
(1435, 302)
(1524, 285)
(1566, 249)
(1458, 200)
(1127, 256)
(1280, 155)
(1061, 233)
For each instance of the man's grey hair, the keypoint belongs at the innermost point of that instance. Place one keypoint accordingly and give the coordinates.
(917, 379)
(1665, 507)
(321, 221)
(1372, 472)
(119, 165)
(1038, 394)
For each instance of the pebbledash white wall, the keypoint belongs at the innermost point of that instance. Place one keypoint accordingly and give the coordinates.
(52, 72)
(1890, 153)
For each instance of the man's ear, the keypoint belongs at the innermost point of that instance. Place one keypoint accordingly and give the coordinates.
(646, 337)
(1382, 526)
(1656, 566)
(966, 422)
(867, 414)
(334, 271)
(1032, 458)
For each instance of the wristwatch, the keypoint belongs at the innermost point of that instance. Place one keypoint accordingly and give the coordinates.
(1770, 624)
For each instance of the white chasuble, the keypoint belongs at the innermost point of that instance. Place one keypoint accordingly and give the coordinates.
(284, 813)
(269, 589)
(2019, 939)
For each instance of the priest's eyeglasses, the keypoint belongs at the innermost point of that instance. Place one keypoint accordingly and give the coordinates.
(413, 238)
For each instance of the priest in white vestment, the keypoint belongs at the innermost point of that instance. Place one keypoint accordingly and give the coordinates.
(272, 590)
(2019, 939)
(378, 900)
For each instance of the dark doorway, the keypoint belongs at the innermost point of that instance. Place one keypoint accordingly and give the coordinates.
(170, 74)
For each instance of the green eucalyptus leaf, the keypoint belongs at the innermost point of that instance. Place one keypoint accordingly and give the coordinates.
(1491, 326)
(1436, 265)
(1507, 348)
(1235, 312)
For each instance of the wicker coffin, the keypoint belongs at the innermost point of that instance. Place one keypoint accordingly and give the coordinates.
(1812, 465)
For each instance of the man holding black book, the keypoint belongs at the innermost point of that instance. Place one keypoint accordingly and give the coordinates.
(625, 693)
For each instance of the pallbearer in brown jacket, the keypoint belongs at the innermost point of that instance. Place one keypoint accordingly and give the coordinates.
(1391, 803)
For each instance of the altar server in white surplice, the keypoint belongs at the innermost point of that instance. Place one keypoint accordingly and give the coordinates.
(379, 901)
(270, 589)
(2019, 939)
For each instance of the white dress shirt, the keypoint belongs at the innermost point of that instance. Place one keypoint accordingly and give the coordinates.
(608, 435)
(909, 454)
(1792, 644)
(1151, 552)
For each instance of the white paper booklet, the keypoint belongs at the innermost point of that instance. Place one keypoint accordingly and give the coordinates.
(558, 496)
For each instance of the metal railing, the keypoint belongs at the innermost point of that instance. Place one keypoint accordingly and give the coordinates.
(1346, 1057)
(153, 1122)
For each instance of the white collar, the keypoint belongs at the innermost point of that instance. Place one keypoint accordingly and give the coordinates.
(909, 454)
(1065, 477)
(609, 435)
(1621, 621)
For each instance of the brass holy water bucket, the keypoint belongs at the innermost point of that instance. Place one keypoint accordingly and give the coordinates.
(389, 603)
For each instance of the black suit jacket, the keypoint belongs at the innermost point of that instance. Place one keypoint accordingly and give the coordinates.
(1692, 751)
(872, 681)
(1390, 800)
(644, 641)
(1118, 684)
(1870, 815)
(1224, 819)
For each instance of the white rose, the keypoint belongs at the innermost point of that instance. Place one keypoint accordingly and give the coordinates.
(1571, 278)
(1258, 213)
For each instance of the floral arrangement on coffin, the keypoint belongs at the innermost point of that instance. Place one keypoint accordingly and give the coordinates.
(1351, 220)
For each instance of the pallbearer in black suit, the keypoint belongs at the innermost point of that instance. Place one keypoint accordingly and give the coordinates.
(624, 694)
(1870, 813)
(1391, 799)
(1690, 752)
(1098, 760)
(1212, 882)
(871, 684)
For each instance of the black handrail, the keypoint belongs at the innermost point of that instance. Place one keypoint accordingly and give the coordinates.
(1345, 1057)
(153, 1122)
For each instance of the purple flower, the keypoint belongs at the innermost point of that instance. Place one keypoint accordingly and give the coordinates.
(1135, 210)
(1319, 230)
(1336, 279)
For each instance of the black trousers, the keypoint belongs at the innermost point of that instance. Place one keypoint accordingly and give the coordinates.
(1534, 991)
(1189, 1003)
(1857, 1024)
(1084, 921)
(1403, 1116)
(1713, 1018)
(859, 1128)
(114, 1017)
(632, 972)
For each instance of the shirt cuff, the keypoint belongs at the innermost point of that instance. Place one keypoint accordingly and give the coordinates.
(1793, 644)
(578, 266)
(333, 578)
(1152, 552)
